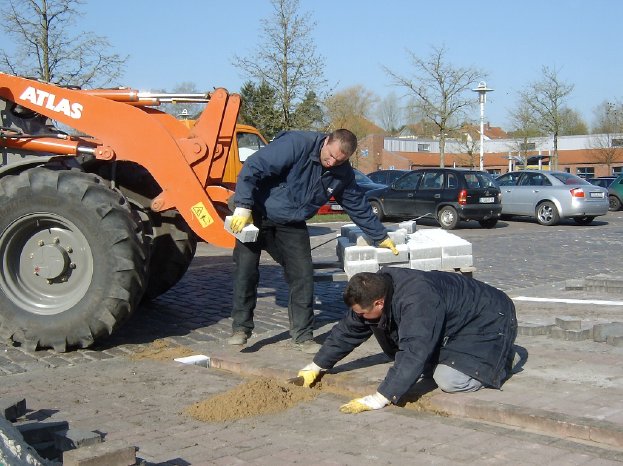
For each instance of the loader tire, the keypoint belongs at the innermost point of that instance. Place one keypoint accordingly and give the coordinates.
(74, 261)
(173, 247)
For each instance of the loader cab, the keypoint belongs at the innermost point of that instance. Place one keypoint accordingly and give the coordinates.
(246, 142)
(249, 141)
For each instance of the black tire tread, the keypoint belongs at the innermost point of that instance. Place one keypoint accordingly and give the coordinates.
(93, 317)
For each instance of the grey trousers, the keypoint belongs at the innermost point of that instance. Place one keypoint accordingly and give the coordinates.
(450, 380)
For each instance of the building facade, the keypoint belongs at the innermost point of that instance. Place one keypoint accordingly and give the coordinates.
(586, 156)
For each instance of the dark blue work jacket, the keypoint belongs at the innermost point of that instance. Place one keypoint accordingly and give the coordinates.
(285, 182)
(470, 324)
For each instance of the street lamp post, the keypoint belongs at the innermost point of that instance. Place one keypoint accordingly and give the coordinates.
(482, 90)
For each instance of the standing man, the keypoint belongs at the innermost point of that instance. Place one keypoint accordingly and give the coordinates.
(462, 327)
(278, 189)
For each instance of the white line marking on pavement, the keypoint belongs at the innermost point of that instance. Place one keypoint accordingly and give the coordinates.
(569, 301)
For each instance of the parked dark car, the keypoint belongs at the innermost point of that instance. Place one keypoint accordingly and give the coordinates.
(386, 177)
(365, 183)
(615, 194)
(603, 181)
(447, 194)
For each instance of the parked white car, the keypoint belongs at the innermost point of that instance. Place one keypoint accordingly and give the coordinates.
(550, 196)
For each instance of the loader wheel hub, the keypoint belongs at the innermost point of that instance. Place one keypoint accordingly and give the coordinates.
(50, 262)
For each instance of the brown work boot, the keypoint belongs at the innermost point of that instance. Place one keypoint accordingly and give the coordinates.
(238, 338)
(308, 346)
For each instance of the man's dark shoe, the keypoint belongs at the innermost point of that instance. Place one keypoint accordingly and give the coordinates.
(238, 338)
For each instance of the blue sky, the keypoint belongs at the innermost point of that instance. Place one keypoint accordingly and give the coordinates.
(196, 40)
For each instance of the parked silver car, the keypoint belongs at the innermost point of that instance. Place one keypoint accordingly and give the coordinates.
(550, 196)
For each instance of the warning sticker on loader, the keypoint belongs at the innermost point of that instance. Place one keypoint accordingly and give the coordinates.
(202, 214)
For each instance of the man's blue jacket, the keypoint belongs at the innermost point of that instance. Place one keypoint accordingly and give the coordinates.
(470, 324)
(285, 182)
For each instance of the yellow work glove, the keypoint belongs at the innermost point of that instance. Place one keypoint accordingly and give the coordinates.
(240, 219)
(367, 403)
(309, 373)
(389, 244)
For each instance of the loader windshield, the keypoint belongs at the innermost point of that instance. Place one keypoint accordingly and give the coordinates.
(248, 144)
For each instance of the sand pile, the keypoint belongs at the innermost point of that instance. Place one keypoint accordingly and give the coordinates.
(254, 397)
(162, 350)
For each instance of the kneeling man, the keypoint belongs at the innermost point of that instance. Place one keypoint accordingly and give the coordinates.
(462, 327)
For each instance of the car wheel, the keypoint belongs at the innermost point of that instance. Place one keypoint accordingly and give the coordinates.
(488, 223)
(448, 218)
(376, 208)
(584, 220)
(547, 214)
(614, 203)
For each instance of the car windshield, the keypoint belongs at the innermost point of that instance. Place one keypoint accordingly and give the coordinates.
(510, 179)
(479, 180)
(568, 178)
(361, 178)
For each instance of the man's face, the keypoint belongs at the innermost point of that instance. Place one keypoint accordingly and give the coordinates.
(331, 155)
(373, 312)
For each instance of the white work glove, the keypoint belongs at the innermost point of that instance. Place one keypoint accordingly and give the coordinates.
(367, 403)
(240, 219)
(310, 373)
(389, 244)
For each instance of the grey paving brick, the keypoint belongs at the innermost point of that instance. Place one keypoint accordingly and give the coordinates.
(570, 335)
(615, 340)
(530, 329)
(75, 438)
(602, 331)
(12, 408)
(112, 453)
(568, 323)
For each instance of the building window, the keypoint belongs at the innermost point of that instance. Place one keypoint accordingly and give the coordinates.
(524, 146)
(585, 172)
(616, 171)
(616, 142)
(423, 147)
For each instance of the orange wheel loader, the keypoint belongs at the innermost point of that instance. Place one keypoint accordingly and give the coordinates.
(91, 224)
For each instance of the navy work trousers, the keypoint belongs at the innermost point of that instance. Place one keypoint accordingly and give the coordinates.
(289, 246)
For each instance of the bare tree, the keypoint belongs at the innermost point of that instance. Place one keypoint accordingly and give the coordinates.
(390, 114)
(46, 49)
(350, 109)
(606, 150)
(441, 91)
(572, 123)
(470, 152)
(286, 59)
(523, 129)
(609, 126)
(608, 118)
(186, 110)
(545, 99)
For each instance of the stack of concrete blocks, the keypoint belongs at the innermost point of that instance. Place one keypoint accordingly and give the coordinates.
(431, 249)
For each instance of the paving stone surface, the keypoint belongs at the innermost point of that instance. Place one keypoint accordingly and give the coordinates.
(571, 388)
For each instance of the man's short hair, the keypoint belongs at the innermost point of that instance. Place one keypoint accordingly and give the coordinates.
(348, 141)
(364, 288)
